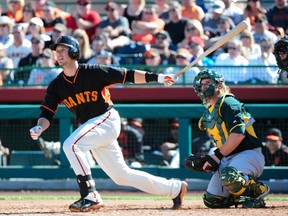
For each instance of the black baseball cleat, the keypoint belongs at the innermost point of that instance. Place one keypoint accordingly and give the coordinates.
(178, 201)
(86, 205)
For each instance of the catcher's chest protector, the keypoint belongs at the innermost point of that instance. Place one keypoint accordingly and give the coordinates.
(214, 124)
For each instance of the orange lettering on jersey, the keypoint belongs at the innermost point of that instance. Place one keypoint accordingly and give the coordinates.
(87, 95)
(94, 96)
(65, 101)
(80, 98)
(71, 101)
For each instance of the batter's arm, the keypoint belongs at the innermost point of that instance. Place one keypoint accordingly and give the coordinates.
(43, 122)
(145, 77)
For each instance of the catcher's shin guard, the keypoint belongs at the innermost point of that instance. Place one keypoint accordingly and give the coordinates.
(213, 201)
(236, 184)
(86, 185)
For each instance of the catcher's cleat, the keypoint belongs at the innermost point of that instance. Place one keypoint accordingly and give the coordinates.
(178, 201)
(86, 204)
(259, 201)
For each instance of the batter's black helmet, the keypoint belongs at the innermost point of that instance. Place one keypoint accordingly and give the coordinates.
(281, 46)
(70, 42)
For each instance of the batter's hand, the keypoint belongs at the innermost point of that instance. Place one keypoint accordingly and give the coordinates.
(167, 79)
(35, 132)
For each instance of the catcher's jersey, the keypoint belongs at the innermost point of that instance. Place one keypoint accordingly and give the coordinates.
(228, 116)
(86, 94)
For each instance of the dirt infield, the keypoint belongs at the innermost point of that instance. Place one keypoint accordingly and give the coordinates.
(131, 207)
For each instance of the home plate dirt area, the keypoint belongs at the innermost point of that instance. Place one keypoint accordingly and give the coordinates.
(135, 207)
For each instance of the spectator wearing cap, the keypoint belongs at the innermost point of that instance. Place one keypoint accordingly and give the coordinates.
(47, 72)
(193, 28)
(176, 26)
(211, 18)
(98, 44)
(36, 29)
(261, 30)
(15, 10)
(233, 12)
(105, 58)
(6, 64)
(274, 150)
(162, 45)
(277, 15)
(21, 76)
(114, 27)
(152, 59)
(58, 30)
(144, 30)
(191, 10)
(21, 47)
(183, 58)
(6, 38)
(83, 18)
(49, 17)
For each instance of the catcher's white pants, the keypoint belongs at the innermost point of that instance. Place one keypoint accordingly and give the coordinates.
(99, 135)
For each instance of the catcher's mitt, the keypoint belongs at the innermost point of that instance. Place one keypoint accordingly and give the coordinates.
(195, 163)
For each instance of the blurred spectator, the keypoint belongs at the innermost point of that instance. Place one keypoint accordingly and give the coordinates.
(85, 50)
(176, 25)
(265, 66)
(15, 10)
(83, 18)
(6, 63)
(183, 58)
(104, 58)
(144, 30)
(274, 150)
(193, 28)
(114, 27)
(133, 10)
(162, 8)
(234, 57)
(4, 154)
(6, 38)
(131, 142)
(203, 144)
(98, 45)
(152, 60)
(39, 4)
(169, 148)
(277, 15)
(44, 75)
(252, 9)
(191, 10)
(196, 49)
(49, 17)
(250, 48)
(212, 17)
(28, 13)
(21, 76)
(261, 30)
(59, 30)
(36, 29)
(162, 44)
(232, 11)
(21, 46)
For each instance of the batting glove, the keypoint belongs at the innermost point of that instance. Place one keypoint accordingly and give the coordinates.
(167, 79)
(35, 132)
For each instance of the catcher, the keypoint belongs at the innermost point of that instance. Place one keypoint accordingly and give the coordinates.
(238, 161)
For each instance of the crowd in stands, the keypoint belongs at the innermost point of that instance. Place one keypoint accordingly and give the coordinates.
(166, 32)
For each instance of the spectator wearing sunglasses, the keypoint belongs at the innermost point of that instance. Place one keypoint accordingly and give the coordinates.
(83, 18)
(228, 61)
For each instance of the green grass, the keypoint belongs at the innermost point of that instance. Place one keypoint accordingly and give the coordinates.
(53, 197)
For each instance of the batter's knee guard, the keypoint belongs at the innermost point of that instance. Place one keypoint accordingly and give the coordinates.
(236, 184)
(213, 201)
(86, 185)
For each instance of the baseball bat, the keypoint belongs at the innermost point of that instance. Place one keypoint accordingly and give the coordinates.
(224, 39)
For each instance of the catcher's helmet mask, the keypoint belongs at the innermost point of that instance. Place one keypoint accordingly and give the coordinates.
(207, 74)
(279, 47)
(72, 43)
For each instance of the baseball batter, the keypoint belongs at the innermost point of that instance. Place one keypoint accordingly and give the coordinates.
(83, 89)
(238, 161)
